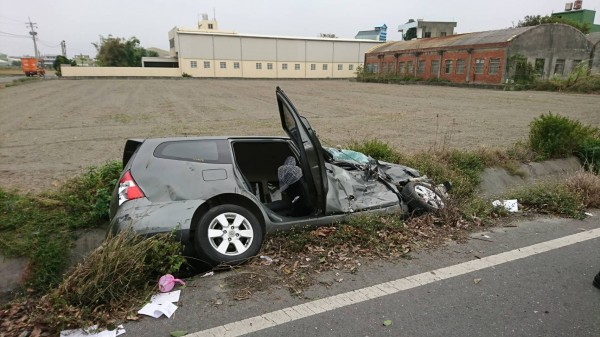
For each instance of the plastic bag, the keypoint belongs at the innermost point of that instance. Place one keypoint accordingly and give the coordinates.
(167, 282)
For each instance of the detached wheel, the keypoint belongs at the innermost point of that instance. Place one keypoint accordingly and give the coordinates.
(228, 234)
(422, 197)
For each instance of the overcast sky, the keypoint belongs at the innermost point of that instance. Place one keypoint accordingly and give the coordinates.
(80, 22)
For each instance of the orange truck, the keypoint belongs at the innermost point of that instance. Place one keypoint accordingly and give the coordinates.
(32, 67)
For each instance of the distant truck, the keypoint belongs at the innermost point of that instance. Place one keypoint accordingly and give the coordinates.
(32, 66)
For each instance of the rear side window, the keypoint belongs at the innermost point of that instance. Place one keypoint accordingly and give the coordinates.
(202, 151)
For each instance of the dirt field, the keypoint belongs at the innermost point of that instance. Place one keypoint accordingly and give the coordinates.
(54, 128)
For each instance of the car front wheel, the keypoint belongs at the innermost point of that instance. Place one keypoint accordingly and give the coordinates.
(228, 234)
(422, 197)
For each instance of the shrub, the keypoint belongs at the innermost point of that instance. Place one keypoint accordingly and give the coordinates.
(587, 186)
(550, 197)
(377, 149)
(555, 136)
(116, 276)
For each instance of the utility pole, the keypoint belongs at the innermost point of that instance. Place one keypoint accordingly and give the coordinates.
(33, 33)
(63, 47)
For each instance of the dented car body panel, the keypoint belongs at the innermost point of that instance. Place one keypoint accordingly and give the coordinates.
(177, 184)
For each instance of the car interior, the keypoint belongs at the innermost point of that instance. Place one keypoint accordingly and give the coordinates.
(259, 161)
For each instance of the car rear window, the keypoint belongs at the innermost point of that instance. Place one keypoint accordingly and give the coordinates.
(202, 151)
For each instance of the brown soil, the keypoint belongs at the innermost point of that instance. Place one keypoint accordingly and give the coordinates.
(54, 128)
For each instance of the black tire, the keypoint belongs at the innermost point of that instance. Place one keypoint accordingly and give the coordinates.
(422, 197)
(597, 281)
(242, 242)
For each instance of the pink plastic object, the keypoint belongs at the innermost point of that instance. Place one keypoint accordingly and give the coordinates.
(167, 282)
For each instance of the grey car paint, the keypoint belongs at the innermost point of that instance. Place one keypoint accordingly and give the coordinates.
(178, 192)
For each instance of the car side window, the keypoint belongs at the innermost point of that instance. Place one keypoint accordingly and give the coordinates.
(290, 123)
(203, 151)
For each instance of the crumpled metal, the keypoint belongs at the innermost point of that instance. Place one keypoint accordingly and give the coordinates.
(288, 173)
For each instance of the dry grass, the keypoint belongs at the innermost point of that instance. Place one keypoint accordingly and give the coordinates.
(587, 186)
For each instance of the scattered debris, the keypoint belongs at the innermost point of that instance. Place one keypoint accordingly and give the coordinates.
(510, 205)
(167, 282)
(267, 259)
(588, 214)
(476, 280)
(207, 274)
(387, 322)
(93, 331)
(161, 304)
(178, 333)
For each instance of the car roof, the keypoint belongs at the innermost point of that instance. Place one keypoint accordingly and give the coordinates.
(184, 138)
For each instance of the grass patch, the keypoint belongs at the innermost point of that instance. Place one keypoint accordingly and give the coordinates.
(110, 284)
(587, 186)
(42, 227)
(550, 198)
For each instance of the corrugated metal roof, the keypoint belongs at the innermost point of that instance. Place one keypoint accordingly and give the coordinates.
(488, 37)
(225, 33)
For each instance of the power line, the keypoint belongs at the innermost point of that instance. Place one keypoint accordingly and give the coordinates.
(13, 35)
(15, 20)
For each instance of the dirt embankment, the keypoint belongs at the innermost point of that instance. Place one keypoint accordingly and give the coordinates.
(54, 128)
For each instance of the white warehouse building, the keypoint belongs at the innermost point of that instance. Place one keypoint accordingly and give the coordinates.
(208, 52)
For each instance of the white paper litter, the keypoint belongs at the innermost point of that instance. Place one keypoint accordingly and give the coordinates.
(161, 304)
(158, 309)
(210, 273)
(171, 297)
(589, 214)
(510, 205)
(92, 331)
(267, 258)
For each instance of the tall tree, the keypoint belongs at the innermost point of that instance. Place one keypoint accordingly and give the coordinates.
(534, 20)
(118, 52)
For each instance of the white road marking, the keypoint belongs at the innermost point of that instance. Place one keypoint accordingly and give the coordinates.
(316, 307)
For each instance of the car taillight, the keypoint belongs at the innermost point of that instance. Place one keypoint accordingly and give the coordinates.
(128, 189)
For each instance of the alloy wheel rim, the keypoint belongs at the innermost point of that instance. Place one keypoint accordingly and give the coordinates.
(230, 234)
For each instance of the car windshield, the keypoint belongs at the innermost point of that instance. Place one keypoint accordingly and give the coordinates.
(347, 155)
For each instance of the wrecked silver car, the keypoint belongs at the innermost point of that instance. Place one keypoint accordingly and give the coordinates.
(221, 195)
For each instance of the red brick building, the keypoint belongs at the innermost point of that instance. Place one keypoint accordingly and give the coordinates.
(482, 57)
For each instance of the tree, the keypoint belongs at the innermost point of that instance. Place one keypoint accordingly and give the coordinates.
(118, 52)
(534, 20)
(62, 60)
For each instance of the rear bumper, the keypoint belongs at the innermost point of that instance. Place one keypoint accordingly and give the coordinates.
(147, 218)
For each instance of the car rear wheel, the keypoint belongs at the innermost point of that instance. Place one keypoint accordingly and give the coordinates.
(228, 234)
(422, 197)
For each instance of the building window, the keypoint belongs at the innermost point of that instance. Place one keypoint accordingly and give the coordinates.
(409, 66)
(479, 64)
(435, 67)
(314, 66)
(206, 64)
(269, 66)
(391, 67)
(172, 43)
(340, 67)
(494, 66)
(383, 67)
(210, 26)
(559, 67)
(369, 68)
(448, 68)
(193, 64)
(442, 33)
(575, 64)
(427, 34)
(284, 66)
(236, 65)
(460, 66)
(401, 68)
(325, 67)
(420, 67)
(297, 66)
(351, 67)
(375, 68)
(539, 66)
(223, 65)
(258, 66)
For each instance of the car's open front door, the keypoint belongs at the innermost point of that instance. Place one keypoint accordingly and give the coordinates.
(311, 152)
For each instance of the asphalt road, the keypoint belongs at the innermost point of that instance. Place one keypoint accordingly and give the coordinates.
(544, 294)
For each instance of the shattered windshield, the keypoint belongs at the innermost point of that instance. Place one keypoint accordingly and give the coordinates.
(347, 155)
